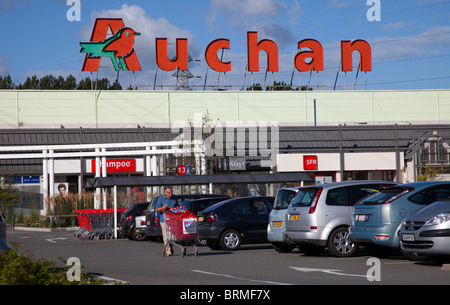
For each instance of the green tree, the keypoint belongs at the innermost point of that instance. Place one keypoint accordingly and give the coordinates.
(428, 173)
(6, 82)
(9, 195)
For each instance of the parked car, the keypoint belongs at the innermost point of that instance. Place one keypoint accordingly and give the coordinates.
(152, 227)
(319, 216)
(3, 244)
(127, 223)
(377, 219)
(426, 233)
(230, 223)
(276, 225)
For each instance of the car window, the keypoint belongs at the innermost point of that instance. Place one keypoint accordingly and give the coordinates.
(304, 197)
(431, 194)
(418, 197)
(241, 207)
(283, 198)
(382, 196)
(361, 191)
(338, 196)
(258, 207)
(187, 205)
(152, 206)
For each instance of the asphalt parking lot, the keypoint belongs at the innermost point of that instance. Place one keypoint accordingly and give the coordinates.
(142, 263)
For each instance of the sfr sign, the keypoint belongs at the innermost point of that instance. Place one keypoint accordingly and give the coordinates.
(309, 162)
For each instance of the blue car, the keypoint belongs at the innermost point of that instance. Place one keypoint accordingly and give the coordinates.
(377, 219)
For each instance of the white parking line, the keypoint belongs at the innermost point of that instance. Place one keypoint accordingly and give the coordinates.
(110, 280)
(53, 240)
(329, 271)
(240, 278)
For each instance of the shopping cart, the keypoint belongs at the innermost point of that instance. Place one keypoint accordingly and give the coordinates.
(181, 230)
(96, 223)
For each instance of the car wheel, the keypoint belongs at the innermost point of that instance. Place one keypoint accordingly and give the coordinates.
(339, 245)
(283, 247)
(136, 236)
(230, 240)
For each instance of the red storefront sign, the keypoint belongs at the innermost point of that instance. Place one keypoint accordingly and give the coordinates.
(309, 162)
(116, 165)
(310, 55)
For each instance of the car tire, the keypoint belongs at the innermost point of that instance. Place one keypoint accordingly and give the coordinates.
(339, 245)
(283, 247)
(230, 240)
(136, 236)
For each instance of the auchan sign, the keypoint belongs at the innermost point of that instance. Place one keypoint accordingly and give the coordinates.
(119, 48)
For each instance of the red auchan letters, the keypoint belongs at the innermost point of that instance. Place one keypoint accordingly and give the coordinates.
(314, 52)
(310, 57)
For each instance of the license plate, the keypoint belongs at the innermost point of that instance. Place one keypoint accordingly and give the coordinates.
(294, 218)
(120, 228)
(137, 230)
(148, 222)
(200, 218)
(362, 217)
(408, 237)
(277, 223)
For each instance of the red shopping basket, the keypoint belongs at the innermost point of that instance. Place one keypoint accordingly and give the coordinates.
(181, 225)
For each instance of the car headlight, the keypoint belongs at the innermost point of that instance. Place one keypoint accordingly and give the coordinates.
(438, 219)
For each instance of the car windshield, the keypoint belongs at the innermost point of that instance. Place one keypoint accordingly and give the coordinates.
(304, 197)
(187, 204)
(283, 198)
(381, 197)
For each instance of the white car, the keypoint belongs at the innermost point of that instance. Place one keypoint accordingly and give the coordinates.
(276, 224)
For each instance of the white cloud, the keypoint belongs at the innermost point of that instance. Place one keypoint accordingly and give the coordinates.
(256, 15)
(136, 17)
(432, 41)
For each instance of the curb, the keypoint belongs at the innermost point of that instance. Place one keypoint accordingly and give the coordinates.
(31, 229)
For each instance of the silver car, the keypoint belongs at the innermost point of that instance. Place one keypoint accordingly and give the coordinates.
(427, 231)
(319, 216)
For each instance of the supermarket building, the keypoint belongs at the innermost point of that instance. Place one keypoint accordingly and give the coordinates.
(53, 137)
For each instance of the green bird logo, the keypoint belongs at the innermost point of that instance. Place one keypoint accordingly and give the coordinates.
(116, 47)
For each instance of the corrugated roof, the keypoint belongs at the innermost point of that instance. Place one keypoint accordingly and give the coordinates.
(194, 179)
(291, 139)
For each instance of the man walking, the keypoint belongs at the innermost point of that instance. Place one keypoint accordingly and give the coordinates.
(164, 203)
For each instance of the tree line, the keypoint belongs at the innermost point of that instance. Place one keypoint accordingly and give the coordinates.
(278, 86)
(50, 82)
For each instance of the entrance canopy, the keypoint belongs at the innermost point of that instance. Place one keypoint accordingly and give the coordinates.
(104, 182)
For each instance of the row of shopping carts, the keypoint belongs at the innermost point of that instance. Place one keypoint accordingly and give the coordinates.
(96, 223)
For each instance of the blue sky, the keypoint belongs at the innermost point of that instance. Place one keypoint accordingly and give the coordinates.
(410, 44)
